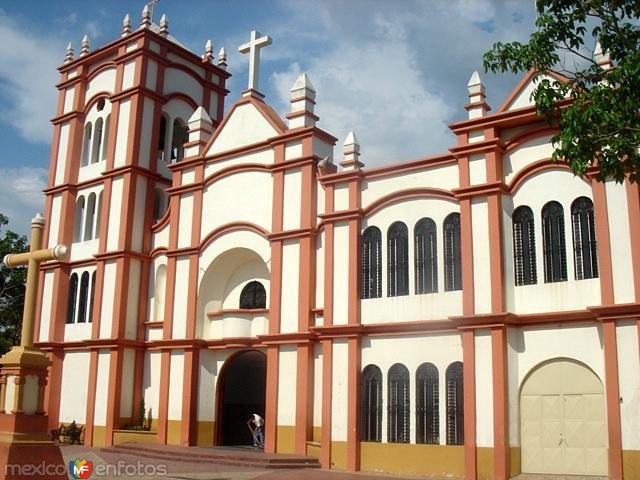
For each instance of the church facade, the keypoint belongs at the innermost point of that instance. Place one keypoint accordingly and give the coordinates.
(473, 314)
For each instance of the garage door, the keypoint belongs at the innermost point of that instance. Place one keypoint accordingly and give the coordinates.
(562, 419)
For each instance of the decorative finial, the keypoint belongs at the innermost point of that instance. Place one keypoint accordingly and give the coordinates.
(146, 17)
(351, 153)
(164, 25)
(68, 57)
(208, 52)
(126, 25)
(477, 105)
(303, 87)
(222, 59)
(253, 49)
(602, 58)
(85, 45)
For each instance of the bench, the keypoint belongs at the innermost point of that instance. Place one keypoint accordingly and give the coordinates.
(70, 433)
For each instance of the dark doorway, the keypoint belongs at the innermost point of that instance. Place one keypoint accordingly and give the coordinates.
(241, 392)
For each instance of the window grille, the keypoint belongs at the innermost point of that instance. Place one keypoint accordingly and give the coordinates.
(371, 263)
(371, 405)
(399, 402)
(71, 298)
(585, 255)
(426, 256)
(455, 405)
(427, 403)
(253, 296)
(92, 296)
(555, 255)
(524, 246)
(452, 261)
(83, 297)
(397, 260)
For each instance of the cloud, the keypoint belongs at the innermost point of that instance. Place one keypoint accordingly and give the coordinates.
(21, 195)
(27, 77)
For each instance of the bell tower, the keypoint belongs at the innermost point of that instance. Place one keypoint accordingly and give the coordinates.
(122, 120)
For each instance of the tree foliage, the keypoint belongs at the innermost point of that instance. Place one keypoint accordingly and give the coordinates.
(12, 286)
(596, 109)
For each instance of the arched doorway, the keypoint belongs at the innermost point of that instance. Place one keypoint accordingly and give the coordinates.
(241, 392)
(563, 428)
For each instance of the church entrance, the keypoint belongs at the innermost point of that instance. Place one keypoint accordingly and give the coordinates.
(241, 392)
(562, 420)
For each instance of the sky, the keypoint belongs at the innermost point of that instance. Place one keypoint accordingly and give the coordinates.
(393, 71)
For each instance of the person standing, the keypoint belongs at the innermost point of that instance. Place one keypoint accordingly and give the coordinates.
(256, 425)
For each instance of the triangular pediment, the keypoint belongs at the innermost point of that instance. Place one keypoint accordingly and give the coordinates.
(248, 122)
(520, 97)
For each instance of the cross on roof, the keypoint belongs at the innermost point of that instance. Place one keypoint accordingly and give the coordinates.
(152, 7)
(253, 48)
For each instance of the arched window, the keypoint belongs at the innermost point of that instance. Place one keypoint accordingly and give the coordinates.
(371, 404)
(105, 138)
(159, 204)
(162, 138)
(585, 255)
(83, 297)
(90, 215)
(159, 293)
(92, 296)
(77, 227)
(397, 260)
(253, 296)
(71, 298)
(427, 404)
(97, 141)
(452, 261)
(86, 144)
(426, 256)
(524, 246)
(399, 402)
(179, 138)
(371, 263)
(555, 255)
(455, 405)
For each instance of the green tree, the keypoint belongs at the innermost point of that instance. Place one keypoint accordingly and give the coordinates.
(12, 286)
(595, 109)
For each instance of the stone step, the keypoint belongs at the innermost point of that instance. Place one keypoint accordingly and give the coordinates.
(219, 455)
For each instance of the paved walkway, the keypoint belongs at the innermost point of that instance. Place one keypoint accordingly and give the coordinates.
(119, 466)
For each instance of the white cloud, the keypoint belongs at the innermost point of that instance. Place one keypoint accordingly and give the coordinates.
(21, 195)
(28, 75)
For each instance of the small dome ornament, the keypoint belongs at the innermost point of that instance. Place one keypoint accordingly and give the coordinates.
(126, 25)
(85, 45)
(68, 57)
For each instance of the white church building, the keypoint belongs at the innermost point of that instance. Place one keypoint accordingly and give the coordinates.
(472, 314)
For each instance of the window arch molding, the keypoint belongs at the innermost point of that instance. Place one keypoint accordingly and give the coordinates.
(253, 296)
(397, 260)
(455, 404)
(371, 404)
(399, 403)
(452, 253)
(371, 263)
(524, 246)
(426, 256)
(585, 252)
(427, 404)
(554, 247)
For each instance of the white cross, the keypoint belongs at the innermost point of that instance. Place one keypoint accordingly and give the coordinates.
(253, 48)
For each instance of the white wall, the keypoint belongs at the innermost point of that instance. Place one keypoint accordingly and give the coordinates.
(75, 378)
(629, 382)
(620, 236)
(290, 286)
(176, 378)
(339, 387)
(245, 126)
(287, 380)
(484, 389)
